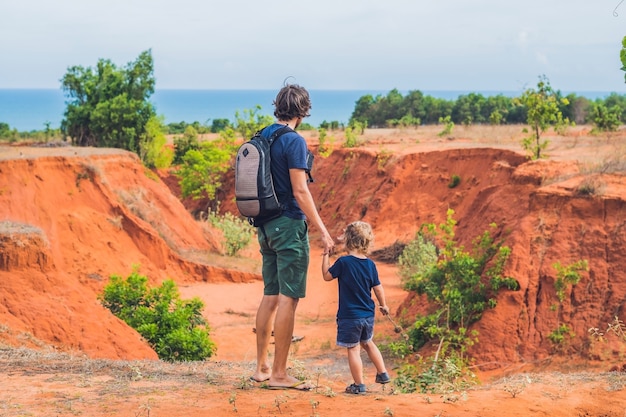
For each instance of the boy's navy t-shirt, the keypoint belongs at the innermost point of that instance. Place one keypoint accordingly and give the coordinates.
(289, 151)
(356, 277)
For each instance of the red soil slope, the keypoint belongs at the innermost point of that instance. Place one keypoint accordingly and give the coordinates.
(73, 217)
(70, 218)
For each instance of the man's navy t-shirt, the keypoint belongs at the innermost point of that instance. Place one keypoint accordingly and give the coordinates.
(289, 151)
(356, 277)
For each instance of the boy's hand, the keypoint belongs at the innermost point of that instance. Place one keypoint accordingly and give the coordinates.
(384, 310)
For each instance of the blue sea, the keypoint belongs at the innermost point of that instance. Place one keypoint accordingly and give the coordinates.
(31, 109)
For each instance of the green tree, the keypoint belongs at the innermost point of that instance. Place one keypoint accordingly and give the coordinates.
(109, 106)
(542, 111)
(175, 328)
(219, 124)
(153, 151)
(606, 119)
(204, 164)
(248, 123)
(185, 143)
(201, 171)
(5, 130)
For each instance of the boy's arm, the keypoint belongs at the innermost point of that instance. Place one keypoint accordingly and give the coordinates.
(380, 296)
(325, 267)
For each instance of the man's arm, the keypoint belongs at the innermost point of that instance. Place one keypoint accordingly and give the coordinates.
(307, 205)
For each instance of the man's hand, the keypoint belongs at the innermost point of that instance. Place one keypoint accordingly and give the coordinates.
(384, 310)
(328, 243)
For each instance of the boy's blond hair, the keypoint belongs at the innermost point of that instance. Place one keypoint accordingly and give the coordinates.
(358, 236)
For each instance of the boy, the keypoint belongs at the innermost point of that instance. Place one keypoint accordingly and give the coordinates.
(357, 276)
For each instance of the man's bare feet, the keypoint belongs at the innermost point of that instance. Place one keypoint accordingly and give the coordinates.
(289, 383)
(262, 374)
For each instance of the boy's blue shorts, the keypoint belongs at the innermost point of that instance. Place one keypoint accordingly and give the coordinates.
(351, 332)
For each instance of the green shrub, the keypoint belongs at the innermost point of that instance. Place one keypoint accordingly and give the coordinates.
(237, 231)
(606, 119)
(454, 181)
(417, 259)
(568, 275)
(431, 376)
(174, 328)
(558, 336)
(325, 148)
(459, 284)
(448, 126)
(351, 140)
(152, 146)
(185, 143)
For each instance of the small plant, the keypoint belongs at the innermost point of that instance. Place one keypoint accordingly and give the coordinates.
(515, 388)
(325, 148)
(435, 376)
(244, 383)
(397, 349)
(617, 327)
(568, 275)
(454, 181)
(448, 126)
(558, 335)
(351, 140)
(232, 400)
(278, 401)
(237, 231)
(382, 158)
(590, 186)
(388, 412)
(83, 175)
(314, 405)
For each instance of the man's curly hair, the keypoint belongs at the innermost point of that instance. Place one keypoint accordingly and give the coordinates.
(292, 101)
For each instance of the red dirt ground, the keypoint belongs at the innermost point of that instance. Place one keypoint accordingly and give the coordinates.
(70, 218)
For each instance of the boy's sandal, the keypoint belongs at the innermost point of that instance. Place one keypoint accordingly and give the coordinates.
(383, 378)
(356, 389)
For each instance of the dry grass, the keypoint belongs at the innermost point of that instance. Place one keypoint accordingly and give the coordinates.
(118, 372)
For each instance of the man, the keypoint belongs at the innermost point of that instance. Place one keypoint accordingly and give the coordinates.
(284, 240)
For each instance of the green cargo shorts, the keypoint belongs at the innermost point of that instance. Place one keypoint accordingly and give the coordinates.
(284, 245)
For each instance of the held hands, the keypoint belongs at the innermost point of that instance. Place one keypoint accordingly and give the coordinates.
(384, 310)
(328, 243)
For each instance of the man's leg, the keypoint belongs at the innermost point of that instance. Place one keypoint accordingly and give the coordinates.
(283, 332)
(264, 316)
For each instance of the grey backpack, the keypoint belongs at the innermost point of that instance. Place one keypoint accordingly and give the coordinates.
(254, 187)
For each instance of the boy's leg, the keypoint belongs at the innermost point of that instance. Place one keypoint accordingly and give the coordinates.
(264, 316)
(375, 356)
(356, 364)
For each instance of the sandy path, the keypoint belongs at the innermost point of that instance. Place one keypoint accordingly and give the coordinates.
(231, 310)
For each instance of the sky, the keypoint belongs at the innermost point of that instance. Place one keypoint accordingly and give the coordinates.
(427, 45)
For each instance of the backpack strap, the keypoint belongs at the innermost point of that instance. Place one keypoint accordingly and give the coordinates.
(278, 133)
